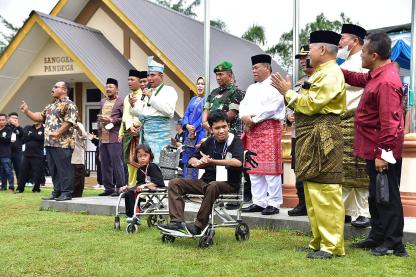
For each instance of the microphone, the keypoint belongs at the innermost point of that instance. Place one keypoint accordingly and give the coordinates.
(143, 96)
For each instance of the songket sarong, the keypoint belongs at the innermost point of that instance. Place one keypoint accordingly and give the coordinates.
(156, 133)
(265, 139)
(319, 148)
(355, 170)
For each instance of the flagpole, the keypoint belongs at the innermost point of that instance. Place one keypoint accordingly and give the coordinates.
(206, 46)
(295, 41)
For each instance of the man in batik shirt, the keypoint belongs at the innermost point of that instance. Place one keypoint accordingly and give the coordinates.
(59, 118)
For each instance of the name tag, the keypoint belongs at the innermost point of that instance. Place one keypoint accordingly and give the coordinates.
(221, 175)
(200, 173)
(13, 138)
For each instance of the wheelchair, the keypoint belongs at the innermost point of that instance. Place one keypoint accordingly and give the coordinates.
(154, 201)
(219, 216)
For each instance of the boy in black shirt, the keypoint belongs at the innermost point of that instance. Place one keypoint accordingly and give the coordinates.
(17, 136)
(221, 149)
(5, 154)
(32, 166)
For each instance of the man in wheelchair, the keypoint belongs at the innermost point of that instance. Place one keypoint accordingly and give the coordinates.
(218, 155)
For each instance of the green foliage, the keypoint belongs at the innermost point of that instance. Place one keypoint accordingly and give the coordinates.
(181, 6)
(219, 24)
(256, 34)
(283, 49)
(6, 38)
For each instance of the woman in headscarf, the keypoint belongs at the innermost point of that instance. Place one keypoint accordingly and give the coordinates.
(192, 125)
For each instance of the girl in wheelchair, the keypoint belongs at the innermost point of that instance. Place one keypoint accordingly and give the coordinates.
(149, 176)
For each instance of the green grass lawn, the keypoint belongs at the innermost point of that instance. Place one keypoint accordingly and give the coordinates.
(49, 243)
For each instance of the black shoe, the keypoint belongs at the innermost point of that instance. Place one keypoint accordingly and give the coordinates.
(347, 219)
(361, 222)
(105, 193)
(52, 197)
(175, 226)
(269, 210)
(299, 210)
(115, 194)
(11, 189)
(381, 251)
(37, 190)
(63, 198)
(400, 251)
(18, 191)
(253, 208)
(193, 229)
(320, 255)
(231, 206)
(365, 244)
(305, 249)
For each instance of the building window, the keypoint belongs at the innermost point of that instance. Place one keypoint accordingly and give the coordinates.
(71, 94)
(93, 95)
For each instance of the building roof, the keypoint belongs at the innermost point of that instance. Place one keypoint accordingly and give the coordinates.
(92, 49)
(88, 47)
(177, 40)
(393, 29)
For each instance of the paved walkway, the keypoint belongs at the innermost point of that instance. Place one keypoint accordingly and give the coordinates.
(106, 206)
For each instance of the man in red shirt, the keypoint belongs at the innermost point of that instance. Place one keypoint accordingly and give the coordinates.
(379, 138)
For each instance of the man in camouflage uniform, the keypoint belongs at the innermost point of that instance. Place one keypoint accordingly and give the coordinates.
(226, 97)
(59, 118)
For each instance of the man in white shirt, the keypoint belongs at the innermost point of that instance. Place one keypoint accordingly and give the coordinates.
(355, 186)
(262, 110)
(155, 108)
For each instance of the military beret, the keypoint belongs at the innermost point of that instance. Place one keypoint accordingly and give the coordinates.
(223, 66)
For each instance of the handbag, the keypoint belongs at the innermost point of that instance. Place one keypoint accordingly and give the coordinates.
(382, 189)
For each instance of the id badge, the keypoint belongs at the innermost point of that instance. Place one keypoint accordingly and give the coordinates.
(221, 175)
(13, 138)
(229, 156)
(109, 126)
(147, 180)
(200, 173)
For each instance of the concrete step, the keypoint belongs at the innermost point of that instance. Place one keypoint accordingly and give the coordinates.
(106, 205)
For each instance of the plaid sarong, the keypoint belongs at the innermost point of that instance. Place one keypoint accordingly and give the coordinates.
(355, 171)
(319, 148)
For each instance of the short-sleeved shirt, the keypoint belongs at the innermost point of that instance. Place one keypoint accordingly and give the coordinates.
(220, 151)
(225, 99)
(54, 115)
(155, 174)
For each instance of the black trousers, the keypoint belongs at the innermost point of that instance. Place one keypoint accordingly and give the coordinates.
(386, 220)
(16, 159)
(129, 199)
(60, 167)
(299, 184)
(79, 180)
(31, 168)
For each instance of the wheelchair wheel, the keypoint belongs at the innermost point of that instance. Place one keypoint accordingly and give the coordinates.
(117, 223)
(242, 232)
(154, 220)
(206, 241)
(132, 228)
(168, 238)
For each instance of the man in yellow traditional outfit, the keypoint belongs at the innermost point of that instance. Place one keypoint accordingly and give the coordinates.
(137, 81)
(319, 143)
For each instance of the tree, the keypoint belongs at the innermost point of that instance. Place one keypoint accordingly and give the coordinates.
(256, 34)
(181, 7)
(4, 37)
(219, 24)
(283, 49)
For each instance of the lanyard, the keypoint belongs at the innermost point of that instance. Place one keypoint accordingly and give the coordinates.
(224, 150)
(158, 90)
(144, 172)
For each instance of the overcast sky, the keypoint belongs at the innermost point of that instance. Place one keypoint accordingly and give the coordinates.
(274, 15)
